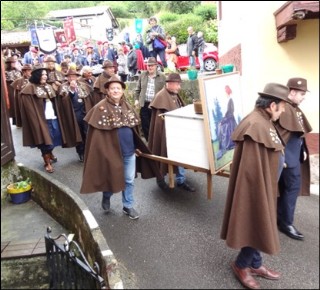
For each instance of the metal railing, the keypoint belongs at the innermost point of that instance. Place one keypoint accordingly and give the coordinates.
(68, 268)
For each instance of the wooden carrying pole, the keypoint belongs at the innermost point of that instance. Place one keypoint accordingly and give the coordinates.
(172, 163)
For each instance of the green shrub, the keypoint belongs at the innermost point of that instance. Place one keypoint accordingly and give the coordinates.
(206, 11)
(179, 28)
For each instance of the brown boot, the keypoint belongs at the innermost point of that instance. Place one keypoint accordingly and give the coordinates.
(47, 163)
(53, 158)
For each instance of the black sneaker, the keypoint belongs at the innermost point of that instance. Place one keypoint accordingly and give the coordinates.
(187, 187)
(131, 212)
(105, 203)
(162, 184)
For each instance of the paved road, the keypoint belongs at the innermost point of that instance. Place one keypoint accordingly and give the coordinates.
(175, 244)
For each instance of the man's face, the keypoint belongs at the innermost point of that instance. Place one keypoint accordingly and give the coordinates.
(115, 91)
(110, 70)
(277, 110)
(27, 73)
(297, 96)
(174, 87)
(50, 65)
(152, 68)
(72, 78)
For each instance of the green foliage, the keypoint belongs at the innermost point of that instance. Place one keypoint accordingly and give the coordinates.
(22, 184)
(167, 17)
(180, 7)
(206, 11)
(179, 28)
(119, 9)
(124, 23)
(140, 9)
(7, 25)
(20, 14)
(211, 31)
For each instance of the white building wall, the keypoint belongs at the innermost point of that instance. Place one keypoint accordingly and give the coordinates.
(252, 24)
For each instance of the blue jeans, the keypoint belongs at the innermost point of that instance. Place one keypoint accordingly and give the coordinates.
(249, 257)
(192, 60)
(180, 175)
(200, 57)
(129, 163)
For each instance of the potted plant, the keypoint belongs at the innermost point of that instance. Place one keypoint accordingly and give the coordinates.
(20, 191)
(219, 70)
(192, 73)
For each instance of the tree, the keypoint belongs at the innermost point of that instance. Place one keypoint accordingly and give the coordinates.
(180, 7)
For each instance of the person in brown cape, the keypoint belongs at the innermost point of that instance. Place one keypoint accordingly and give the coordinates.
(110, 161)
(55, 77)
(166, 100)
(18, 85)
(99, 91)
(43, 119)
(295, 177)
(76, 98)
(11, 73)
(250, 220)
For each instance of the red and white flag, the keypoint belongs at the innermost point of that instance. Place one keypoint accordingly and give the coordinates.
(69, 30)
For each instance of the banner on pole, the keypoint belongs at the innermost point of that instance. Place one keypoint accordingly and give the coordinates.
(69, 30)
(138, 25)
(46, 39)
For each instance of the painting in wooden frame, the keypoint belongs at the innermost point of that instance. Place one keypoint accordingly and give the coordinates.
(222, 111)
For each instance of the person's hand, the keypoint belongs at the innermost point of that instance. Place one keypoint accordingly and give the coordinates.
(73, 86)
(193, 53)
(136, 103)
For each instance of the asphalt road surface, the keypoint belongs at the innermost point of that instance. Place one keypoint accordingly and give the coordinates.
(175, 244)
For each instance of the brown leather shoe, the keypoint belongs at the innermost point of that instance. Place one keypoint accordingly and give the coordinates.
(265, 273)
(245, 277)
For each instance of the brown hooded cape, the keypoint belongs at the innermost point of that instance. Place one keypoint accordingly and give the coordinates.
(294, 121)
(250, 218)
(103, 164)
(163, 102)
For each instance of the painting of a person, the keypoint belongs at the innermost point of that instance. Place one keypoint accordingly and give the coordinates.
(226, 126)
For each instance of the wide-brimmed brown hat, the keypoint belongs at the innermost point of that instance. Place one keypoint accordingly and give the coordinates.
(10, 59)
(174, 77)
(26, 67)
(298, 84)
(277, 91)
(107, 63)
(151, 61)
(114, 79)
(38, 67)
(50, 58)
(72, 72)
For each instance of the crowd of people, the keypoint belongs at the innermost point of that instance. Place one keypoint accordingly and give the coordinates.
(58, 104)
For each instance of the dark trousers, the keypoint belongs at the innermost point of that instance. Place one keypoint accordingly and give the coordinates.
(83, 130)
(145, 116)
(289, 187)
(162, 55)
(249, 257)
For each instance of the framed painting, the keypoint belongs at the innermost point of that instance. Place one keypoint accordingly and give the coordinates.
(222, 112)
